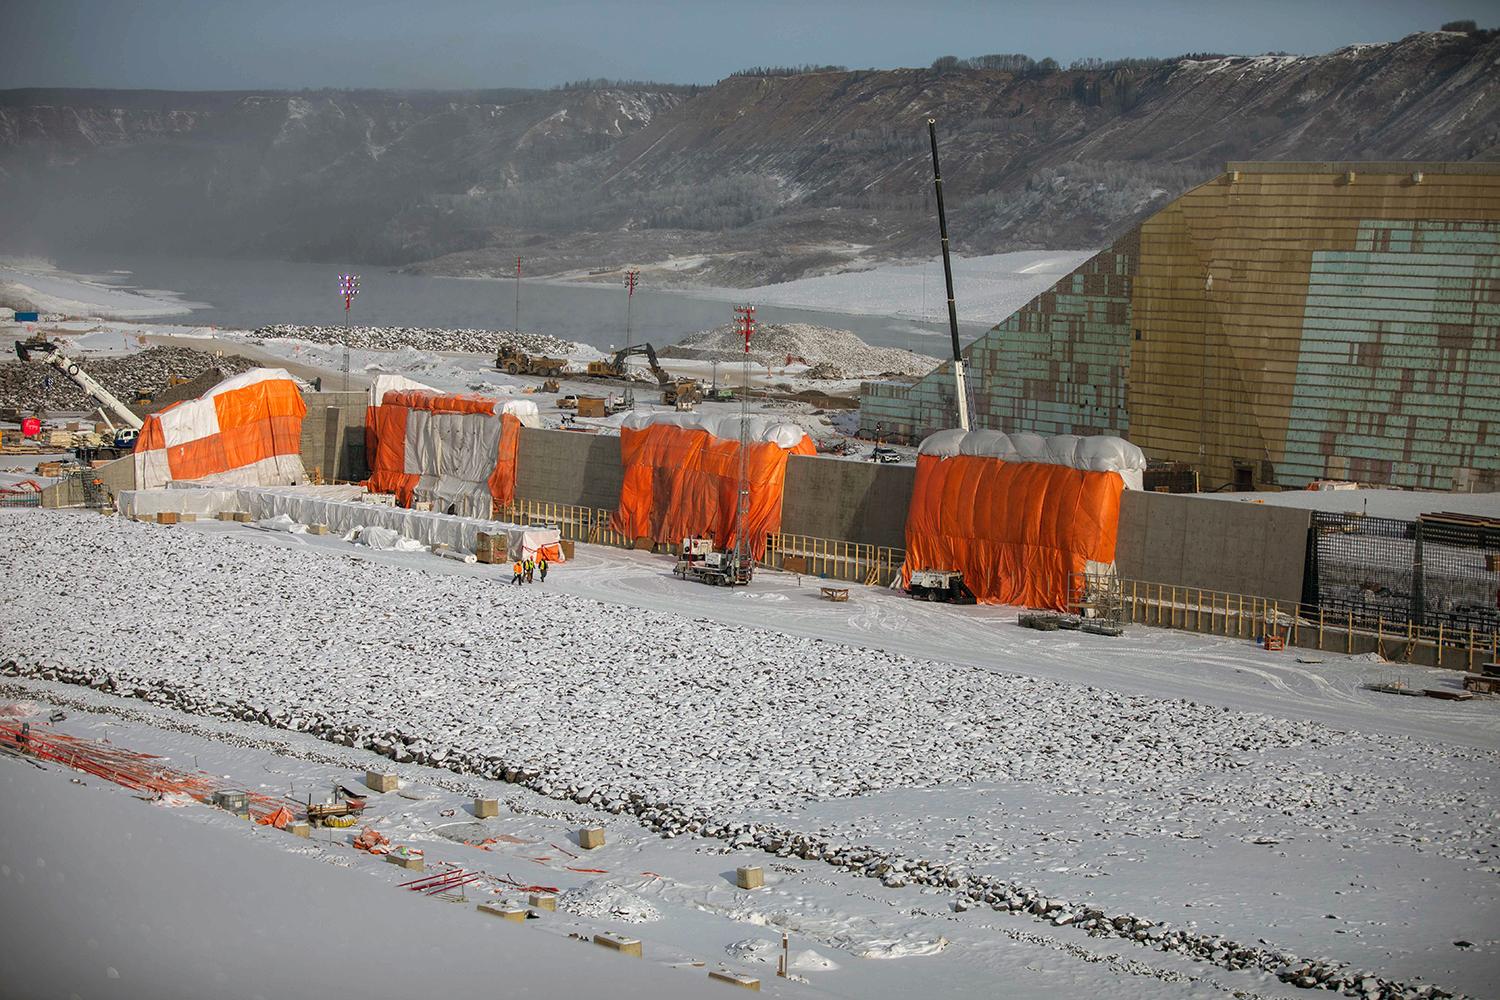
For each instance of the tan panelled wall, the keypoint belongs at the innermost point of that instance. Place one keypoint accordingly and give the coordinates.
(1213, 371)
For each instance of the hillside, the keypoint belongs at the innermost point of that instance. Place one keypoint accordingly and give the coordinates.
(759, 178)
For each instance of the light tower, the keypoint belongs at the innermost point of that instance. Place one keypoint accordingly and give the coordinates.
(518, 295)
(632, 275)
(744, 322)
(348, 289)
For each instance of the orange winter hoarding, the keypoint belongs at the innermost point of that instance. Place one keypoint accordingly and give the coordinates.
(456, 451)
(682, 475)
(1018, 515)
(245, 431)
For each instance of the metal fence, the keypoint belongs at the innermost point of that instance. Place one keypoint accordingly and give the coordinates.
(1425, 572)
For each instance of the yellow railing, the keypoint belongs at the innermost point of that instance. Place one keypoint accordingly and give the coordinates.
(1218, 613)
(860, 562)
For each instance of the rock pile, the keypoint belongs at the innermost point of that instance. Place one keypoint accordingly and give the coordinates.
(32, 386)
(832, 354)
(394, 338)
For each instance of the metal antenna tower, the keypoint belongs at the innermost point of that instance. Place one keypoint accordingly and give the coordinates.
(745, 321)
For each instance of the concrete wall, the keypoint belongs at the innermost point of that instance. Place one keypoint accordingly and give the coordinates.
(569, 467)
(333, 435)
(1238, 548)
(855, 501)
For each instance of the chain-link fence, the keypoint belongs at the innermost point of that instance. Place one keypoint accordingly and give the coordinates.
(1427, 572)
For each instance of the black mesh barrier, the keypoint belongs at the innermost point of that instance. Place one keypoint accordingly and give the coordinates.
(1429, 572)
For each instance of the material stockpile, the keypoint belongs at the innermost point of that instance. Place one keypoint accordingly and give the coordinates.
(423, 338)
(31, 386)
(830, 353)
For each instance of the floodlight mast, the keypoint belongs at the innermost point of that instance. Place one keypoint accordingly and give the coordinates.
(348, 289)
(959, 389)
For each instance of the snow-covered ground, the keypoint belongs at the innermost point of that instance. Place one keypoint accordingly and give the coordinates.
(986, 289)
(45, 288)
(1189, 779)
(1403, 505)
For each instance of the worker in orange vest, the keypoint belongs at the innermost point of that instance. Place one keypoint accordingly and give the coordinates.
(519, 570)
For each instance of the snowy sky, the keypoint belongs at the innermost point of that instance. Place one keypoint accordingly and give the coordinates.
(231, 44)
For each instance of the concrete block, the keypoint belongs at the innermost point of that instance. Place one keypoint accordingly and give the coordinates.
(411, 862)
(623, 945)
(381, 781)
(227, 515)
(485, 808)
(243, 516)
(542, 901)
(317, 529)
(591, 837)
(735, 979)
(517, 914)
(299, 829)
(749, 878)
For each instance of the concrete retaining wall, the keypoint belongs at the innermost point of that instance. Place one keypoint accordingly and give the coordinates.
(853, 501)
(569, 467)
(1237, 548)
(333, 435)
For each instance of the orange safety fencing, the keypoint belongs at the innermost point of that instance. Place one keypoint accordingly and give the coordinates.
(393, 444)
(1018, 531)
(683, 482)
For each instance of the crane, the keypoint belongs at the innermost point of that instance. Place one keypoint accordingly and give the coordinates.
(47, 352)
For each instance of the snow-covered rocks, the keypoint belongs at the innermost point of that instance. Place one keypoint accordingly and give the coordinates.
(394, 338)
(830, 353)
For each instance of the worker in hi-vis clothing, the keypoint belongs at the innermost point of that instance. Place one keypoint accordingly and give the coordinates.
(519, 569)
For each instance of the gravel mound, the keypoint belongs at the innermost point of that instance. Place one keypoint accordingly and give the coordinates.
(423, 338)
(832, 354)
(32, 386)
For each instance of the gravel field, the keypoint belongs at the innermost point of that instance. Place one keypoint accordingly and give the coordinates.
(34, 385)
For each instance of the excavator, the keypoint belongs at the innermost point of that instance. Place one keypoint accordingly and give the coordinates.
(41, 350)
(615, 367)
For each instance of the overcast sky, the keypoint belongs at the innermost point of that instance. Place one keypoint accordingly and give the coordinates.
(255, 44)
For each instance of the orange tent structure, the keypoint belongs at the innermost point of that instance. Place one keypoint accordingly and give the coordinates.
(682, 475)
(456, 451)
(245, 431)
(1017, 515)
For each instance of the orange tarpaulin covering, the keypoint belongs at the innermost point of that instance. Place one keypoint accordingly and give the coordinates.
(684, 481)
(455, 450)
(245, 431)
(1016, 530)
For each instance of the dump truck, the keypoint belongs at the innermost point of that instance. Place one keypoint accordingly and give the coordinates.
(682, 393)
(517, 363)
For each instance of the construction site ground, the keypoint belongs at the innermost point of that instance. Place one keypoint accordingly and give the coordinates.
(1198, 781)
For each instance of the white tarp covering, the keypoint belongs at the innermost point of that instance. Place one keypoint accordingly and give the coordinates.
(726, 426)
(342, 514)
(1099, 453)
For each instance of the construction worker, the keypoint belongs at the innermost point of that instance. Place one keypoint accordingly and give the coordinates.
(541, 567)
(530, 569)
(519, 570)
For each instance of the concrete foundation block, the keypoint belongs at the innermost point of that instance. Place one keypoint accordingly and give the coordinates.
(542, 901)
(741, 980)
(381, 781)
(516, 914)
(623, 945)
(749, 878)
(591, 837)
(411, 862)
(485, 808)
